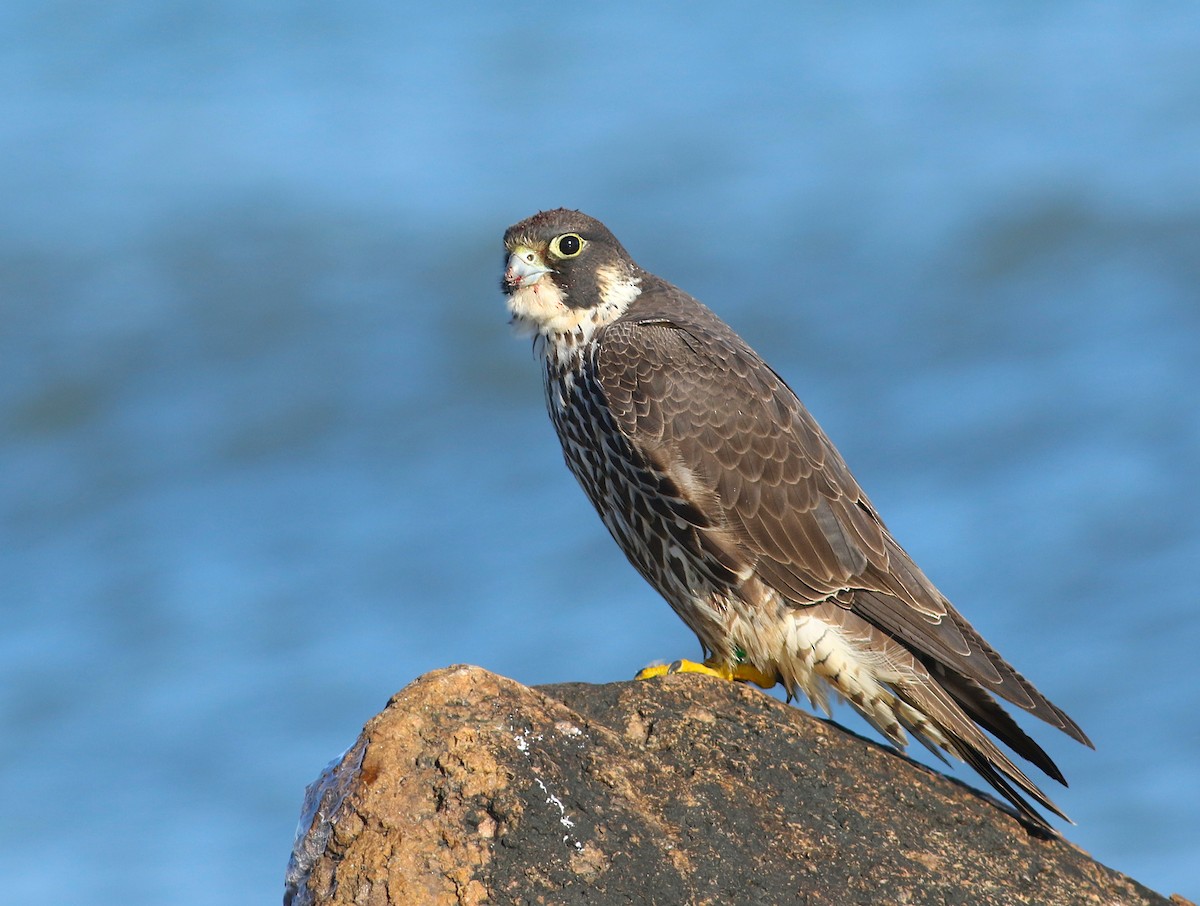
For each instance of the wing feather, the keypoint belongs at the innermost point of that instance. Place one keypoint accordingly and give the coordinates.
(688, 393)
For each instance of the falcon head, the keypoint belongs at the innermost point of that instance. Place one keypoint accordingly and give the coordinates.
(565, 270)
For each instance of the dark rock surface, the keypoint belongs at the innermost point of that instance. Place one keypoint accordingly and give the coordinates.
(470, 788)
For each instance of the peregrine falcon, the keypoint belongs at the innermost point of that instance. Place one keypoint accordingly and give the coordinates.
(729, 499)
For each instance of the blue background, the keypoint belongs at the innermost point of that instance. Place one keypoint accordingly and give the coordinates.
(268, 451)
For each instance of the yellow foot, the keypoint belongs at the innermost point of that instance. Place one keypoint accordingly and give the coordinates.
(742, 672)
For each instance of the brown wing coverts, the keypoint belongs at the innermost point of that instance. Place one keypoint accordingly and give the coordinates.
(693, 399)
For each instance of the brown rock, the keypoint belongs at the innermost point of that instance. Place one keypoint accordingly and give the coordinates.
(470, 788)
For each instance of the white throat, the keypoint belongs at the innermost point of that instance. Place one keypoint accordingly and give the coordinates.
(540, 310)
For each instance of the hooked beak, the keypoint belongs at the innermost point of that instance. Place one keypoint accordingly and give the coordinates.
(524, 268)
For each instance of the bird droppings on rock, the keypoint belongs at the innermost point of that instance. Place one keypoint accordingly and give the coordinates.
(470, 788)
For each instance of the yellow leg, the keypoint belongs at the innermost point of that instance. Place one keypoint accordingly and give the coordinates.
(711, 667)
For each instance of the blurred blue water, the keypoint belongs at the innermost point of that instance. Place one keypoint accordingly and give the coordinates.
(267, 451)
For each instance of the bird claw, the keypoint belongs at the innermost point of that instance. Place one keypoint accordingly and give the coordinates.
(738, 672)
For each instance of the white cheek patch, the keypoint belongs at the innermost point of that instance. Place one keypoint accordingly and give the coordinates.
(617, 291)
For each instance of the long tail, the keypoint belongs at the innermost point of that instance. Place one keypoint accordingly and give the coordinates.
(901, 693)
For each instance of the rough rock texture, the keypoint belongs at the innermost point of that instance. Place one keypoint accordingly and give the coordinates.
(470, 788)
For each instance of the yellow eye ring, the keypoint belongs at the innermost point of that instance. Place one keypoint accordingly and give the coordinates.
(568, 245)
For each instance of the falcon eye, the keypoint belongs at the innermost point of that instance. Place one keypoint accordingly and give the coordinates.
(567, 245)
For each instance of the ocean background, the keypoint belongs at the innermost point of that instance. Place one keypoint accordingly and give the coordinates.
(268, 450)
